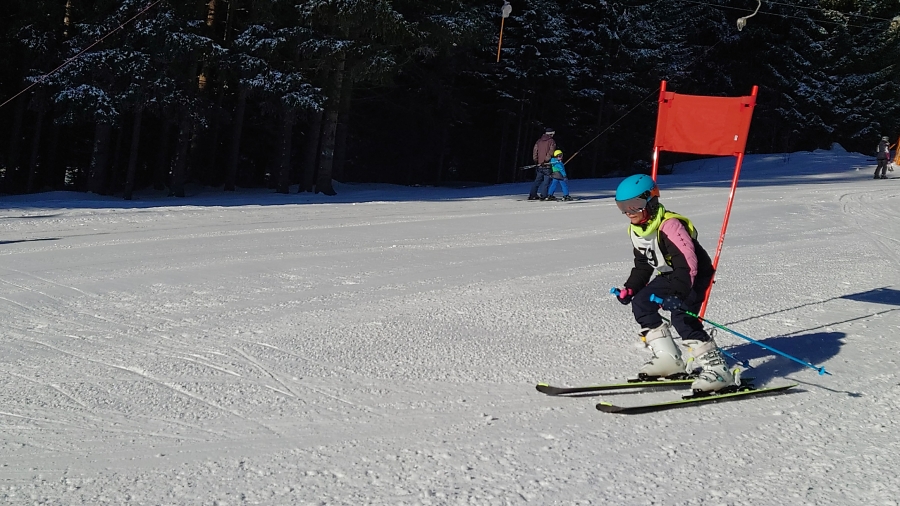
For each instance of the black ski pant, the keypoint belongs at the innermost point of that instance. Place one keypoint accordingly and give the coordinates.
(646, 312)
(882, 166)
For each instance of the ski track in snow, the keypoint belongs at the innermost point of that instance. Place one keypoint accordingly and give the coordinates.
(386, 351)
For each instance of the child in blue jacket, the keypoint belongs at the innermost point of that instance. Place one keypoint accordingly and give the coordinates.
(559, 177)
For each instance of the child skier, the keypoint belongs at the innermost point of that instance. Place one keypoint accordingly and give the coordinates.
(667, 243)
(558, 177)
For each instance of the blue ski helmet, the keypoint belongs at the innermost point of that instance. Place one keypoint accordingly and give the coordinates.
(635, 192)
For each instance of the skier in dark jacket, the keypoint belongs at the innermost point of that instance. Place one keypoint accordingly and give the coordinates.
(666, 242)
(541, 154)
(882, 155)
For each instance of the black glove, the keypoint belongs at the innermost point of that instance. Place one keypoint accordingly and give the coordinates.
(672, 303)
(625, 295)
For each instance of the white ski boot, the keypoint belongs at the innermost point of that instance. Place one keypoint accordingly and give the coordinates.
(666, 359)
(714, 374)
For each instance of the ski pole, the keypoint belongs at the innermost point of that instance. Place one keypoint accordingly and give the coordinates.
(821, 370)
(745, 363)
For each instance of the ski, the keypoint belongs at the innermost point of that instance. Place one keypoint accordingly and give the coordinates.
(630, 384)
(690, 400)
(573, 199)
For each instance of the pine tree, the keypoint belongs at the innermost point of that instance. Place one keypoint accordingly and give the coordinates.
(353, 40)
(864, 42)
(29, 48)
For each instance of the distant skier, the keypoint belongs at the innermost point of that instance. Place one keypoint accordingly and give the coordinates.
(882, 155)
(558, 177)
(541, 154)
(666, 242)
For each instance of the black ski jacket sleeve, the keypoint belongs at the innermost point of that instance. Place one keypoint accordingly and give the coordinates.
(640, 273)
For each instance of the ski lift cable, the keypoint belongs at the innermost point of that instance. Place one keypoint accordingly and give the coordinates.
(819, 9)
(788, 16)
(740, 26)
(85, 50)
(653, 93)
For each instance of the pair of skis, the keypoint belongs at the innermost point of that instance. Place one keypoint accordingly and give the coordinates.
(743, 391)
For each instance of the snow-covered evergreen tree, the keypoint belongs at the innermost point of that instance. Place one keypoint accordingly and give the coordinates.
(353, 40)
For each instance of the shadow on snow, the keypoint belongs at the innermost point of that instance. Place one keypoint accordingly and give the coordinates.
(809, 345)
(819, 167)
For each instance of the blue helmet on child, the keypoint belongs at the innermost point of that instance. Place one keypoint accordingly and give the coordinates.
(635, 192)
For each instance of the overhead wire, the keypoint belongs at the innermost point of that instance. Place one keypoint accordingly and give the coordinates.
(641, 102)
(786, 16)
(85, 50)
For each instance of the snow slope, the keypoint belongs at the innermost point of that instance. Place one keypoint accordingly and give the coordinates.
(382, 346)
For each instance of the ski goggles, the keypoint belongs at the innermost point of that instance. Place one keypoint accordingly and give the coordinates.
(631, 206)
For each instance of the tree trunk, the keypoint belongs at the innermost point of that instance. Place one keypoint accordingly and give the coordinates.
(329, 130)
(284, 152)
(212, 175)
(179, 172)
(67, 20)
(211, 14)
(518, 151)
(229, 21)
(53, 165)
(442, 154)
(131, 174)
(33, 176)
(231, 172)
(100, 158)
(115, 179)
(163, 162)
(343, 131)
(15, 139)
(311, 151)
(326, 160)
(502, 157)
(599, 147)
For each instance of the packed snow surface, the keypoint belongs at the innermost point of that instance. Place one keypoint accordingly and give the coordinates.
(382, 346)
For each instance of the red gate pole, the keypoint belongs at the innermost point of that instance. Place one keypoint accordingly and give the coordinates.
(734, 181)
(655, 162)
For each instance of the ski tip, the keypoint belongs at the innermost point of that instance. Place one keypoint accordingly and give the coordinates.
(544, 388)
(608, 407)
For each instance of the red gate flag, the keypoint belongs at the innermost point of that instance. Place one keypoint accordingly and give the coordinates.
(703, 125)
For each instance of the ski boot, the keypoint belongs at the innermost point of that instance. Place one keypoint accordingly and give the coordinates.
(666, 359)
(567, 198)
(714, 374)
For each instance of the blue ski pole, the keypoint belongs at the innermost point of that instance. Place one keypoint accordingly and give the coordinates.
(821, 370)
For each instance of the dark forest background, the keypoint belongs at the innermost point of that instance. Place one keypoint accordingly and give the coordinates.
(284, 93)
